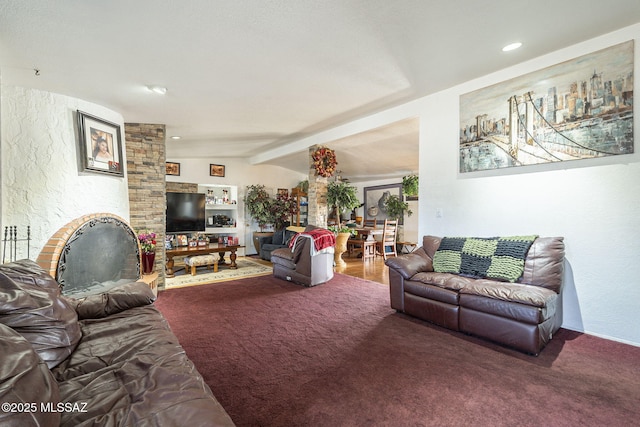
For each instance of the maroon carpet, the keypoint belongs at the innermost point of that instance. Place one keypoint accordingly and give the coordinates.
(278, 354)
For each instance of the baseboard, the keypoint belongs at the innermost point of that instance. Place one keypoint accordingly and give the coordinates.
(606, 337)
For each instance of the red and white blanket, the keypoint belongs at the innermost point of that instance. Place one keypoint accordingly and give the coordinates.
(323, 240)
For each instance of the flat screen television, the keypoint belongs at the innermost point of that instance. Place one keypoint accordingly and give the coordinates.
(185, 212)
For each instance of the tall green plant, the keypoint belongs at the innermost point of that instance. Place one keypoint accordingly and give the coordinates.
(258, 203)
(266, 210)
(342, 196)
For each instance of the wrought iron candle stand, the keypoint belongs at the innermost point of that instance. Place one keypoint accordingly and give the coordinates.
(11, 237)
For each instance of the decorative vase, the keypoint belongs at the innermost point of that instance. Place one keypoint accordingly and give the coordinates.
(148, 258)
(341, 247)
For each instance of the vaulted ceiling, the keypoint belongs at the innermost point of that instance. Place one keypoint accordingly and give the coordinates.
(246, 76)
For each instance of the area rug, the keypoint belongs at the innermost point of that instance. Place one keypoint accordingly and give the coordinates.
(278, 354)
(246, 268)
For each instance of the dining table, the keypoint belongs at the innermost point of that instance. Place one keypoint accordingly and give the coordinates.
(368, 233)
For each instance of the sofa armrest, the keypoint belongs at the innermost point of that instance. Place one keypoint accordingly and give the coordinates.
(410, 264)
(262, 240)
(116, 300)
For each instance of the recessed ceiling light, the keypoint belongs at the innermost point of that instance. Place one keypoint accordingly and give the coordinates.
(175, 137)
(158, 89)
(511, 46)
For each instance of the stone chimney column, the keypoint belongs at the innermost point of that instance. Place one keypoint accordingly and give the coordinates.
(317, 194)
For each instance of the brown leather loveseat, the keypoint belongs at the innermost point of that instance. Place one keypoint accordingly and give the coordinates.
(523, 313)
(107, 359)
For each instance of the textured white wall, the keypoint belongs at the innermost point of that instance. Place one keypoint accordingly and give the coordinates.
(594, 204)
(41, 183)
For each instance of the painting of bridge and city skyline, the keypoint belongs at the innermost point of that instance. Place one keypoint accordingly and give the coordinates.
(579, 109)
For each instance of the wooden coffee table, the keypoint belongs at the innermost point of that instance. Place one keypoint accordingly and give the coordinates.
(201, 250)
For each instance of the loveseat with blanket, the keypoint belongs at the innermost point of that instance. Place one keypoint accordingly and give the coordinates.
(103, 360)
(507, 290)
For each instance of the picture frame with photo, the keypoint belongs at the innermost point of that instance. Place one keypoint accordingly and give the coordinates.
(172, 168)
(374, 201)
(216, 170)
(100, 145)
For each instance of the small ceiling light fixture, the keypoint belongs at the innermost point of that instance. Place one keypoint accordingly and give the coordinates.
(175, 137)
(512, 46)
(158, 89)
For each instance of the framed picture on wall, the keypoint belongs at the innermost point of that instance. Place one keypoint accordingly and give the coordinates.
(100, 145)
(216, 170)
(172, 168)
(374, 198)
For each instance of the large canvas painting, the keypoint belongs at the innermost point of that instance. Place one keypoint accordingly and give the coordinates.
(579, 109)
(374, 198)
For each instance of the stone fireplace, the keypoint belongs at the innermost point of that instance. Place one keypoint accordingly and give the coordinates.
(92, 254)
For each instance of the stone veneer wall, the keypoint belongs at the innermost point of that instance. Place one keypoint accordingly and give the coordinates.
(317, 194)
(182, 187)
(146, 175)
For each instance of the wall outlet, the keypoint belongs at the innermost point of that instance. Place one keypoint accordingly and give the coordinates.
(439, 213)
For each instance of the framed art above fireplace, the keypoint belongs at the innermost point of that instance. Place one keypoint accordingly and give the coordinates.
(100, 145)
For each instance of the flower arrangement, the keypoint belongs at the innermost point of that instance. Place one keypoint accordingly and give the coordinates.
(147, 241)
(325, 162)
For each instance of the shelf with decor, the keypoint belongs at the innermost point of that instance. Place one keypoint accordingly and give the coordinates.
(301, 218)
(222, 218)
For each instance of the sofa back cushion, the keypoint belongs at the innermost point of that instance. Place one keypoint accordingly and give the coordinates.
(430, 244)
(25, 380)
(278, 237)
(30, 303)
(544, 265)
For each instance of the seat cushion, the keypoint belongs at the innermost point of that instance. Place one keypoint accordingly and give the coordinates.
(25, 380)
(198, 260)
(535, 296)
(31, 304)
(283, 257)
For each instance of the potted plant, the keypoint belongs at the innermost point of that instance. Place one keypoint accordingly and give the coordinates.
(342, 197)
(342, 235)
(410, 185)
(396, 207)
(148, 246)
(258, 204)
(281, 209)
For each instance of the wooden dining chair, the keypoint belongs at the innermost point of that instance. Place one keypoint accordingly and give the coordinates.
(386, 246)
(370, 223)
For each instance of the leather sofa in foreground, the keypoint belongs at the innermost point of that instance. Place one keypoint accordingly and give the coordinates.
(106, 359)
(523, 314)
